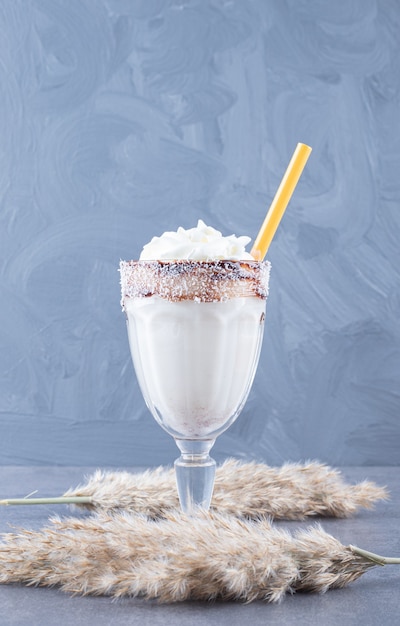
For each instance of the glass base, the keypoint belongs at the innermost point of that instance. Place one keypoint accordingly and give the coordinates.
(195, 474)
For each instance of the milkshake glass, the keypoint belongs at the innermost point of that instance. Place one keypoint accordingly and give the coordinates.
(195, 330)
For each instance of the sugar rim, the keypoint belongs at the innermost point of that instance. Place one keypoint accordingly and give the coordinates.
(186, 279)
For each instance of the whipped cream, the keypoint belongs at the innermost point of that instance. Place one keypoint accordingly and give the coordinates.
(202, 243)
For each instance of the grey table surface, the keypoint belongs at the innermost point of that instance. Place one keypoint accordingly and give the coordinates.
(373, 599)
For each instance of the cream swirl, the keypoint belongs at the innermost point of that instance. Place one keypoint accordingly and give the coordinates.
(202, 243)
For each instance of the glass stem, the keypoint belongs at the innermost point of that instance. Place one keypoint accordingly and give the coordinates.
(195, 474)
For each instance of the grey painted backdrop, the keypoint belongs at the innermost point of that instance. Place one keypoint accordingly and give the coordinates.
(120, 119)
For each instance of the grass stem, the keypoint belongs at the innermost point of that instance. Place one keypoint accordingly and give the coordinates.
(375, 558)
(58, 500)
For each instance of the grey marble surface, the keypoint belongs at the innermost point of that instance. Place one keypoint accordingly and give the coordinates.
(372, 600)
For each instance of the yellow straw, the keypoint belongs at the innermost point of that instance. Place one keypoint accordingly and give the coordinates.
(280, 201)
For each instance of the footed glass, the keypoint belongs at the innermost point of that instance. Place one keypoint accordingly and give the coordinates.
(195, 331)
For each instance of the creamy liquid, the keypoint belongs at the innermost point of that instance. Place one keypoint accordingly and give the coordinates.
(195, 361)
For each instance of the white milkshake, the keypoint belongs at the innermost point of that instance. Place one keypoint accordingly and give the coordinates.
(195, 305)
(195, 361)
(195, 324)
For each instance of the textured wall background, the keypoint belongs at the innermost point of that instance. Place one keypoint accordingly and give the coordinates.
(120, 119)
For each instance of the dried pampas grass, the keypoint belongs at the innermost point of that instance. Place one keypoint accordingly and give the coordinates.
(137, 543)
(178, 558)
(252, 490)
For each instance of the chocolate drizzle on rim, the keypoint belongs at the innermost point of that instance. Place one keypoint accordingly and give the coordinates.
(201, 281)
